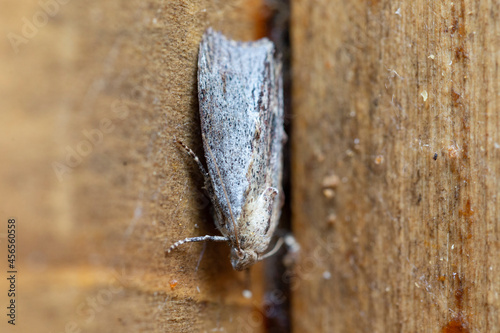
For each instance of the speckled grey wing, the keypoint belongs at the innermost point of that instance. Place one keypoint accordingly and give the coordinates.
(241, 115)
(277, 139)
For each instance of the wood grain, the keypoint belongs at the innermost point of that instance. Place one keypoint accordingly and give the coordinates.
(395, 166)
(102, 88)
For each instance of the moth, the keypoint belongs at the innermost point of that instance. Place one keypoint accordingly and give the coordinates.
(240, 95)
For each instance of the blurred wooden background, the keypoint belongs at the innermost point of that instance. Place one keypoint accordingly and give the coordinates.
(394, 187)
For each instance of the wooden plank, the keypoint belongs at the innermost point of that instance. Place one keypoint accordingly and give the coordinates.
(102, 88)
(395, 166)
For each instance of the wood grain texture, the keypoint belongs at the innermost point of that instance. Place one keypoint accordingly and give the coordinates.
(101, 88)
(395, 166)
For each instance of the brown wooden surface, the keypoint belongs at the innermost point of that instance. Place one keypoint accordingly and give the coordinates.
(91, 243)
(393, 239)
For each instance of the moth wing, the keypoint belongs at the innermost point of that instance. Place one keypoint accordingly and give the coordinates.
(267, 161)
(276, 141)
(241, 117)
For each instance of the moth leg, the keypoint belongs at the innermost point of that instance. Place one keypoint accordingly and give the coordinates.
(195, 158)
(197, 239)
(207, 182)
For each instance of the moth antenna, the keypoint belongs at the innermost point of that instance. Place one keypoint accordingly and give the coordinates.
(197, 239)
(276, 248)
(225, 194)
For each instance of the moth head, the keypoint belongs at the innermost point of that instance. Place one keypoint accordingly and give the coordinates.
(244, 258)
